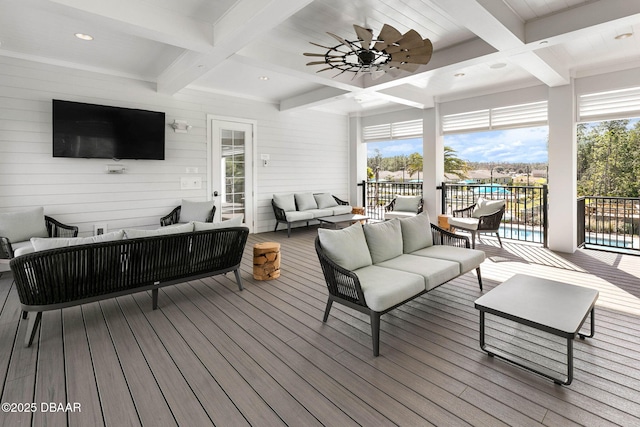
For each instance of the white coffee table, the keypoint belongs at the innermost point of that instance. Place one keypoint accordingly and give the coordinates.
(554, 307)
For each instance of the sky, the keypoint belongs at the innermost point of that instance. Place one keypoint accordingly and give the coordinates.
(522, 145)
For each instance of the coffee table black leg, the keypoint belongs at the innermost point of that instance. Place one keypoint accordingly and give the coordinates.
(482, 343)
(593, 326)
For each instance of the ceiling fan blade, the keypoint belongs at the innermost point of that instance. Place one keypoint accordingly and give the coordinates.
(405, 66)
(319, 45)
(323, 55)
(365, 36)
(411, 39)
(388, 36)
(343, 41)
(323, 62)
(325, 69)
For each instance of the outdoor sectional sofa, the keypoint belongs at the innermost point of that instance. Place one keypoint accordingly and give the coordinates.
(291, 208)
(68, 272)
(377, 267)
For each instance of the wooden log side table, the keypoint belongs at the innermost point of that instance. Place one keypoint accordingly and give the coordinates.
(266, 261)
(443, 222)
(358, 210)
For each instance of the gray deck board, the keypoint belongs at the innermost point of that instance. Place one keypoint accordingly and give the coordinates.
(212, 355)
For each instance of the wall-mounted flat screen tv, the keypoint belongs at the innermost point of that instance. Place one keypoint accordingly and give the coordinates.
(104, 132)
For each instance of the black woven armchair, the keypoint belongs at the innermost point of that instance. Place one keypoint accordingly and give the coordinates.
(54, 229)
(174, 216)
(463, 219)
(391, 212)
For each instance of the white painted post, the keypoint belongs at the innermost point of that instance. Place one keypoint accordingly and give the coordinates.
(433, 162)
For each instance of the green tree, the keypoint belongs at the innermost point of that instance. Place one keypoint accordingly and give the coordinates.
(453, 164)
(414, 164)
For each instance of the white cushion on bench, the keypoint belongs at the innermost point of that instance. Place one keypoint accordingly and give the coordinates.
(21, 248)
(236, 221)
(318, 213)
(305, 201)
(416, 232)
(42, 244)
(384, 240)
(286, 202)
(325, 200)
(341, 209)
(465, 223)
(132, 233)
(298, 215)
(383, 288)
(434, 271)
(346, 247)
(467, 258)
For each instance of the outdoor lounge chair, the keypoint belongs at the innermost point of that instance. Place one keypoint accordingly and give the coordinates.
(403, 207)
(190, 211)
(484, 216)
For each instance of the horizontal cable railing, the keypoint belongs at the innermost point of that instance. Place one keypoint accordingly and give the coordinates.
(611, 222)
(525, 216)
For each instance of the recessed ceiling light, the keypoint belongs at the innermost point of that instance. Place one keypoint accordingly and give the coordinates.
(498, 65)
(263, 78)
(623, 36)
(458, 75)
(84, 36)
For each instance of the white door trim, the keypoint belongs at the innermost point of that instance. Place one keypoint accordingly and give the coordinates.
(254, 178)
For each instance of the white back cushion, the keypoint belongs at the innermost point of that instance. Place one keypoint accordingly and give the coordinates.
(236, 221)
(416, 232)
(325, 200)
(305, 201)
(23, 225)
(486, 207)
(172, 229)
(346, 247)
(407, 203)
(286, 202)
(384, 240)
(195, 211)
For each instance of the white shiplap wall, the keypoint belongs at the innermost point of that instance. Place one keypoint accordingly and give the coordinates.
(309, 150)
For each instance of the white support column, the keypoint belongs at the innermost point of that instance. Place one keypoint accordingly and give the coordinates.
(433, 162)
(562, 169)
(357, 161)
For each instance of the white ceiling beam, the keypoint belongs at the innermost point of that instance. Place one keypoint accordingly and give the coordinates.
(141, 19)
(544, 66)
(491, 20)
(576, 21)
(314, 98)
(241, 25)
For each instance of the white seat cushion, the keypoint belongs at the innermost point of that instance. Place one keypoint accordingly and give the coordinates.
(398, 214)
(293, 216)
(236, 221)
(383, 288)
(43, 244)
(318, 213)
(468, 259)
(464, 223)
(341, 209)
(171, 229)
(434, 271)
(21, 248)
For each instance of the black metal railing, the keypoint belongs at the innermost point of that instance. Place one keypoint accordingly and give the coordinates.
(379, 194)
(609, 222)
(525, 216)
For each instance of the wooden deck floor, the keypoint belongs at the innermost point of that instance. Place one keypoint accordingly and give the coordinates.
(211, 355)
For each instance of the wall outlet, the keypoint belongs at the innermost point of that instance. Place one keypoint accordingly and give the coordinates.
(99, 229)
(190, 183)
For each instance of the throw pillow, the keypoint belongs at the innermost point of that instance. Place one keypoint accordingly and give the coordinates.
(42, 244)
(236, 221)
(21, 226)
(384, 240)
(486, 207)
(305, 201)
(407, 203)
(325, 200)
(195, 211)
(416, 232)
(346, 247)
(286, 202)
(172, 229)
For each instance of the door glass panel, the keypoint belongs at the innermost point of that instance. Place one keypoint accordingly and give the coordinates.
(233, 170)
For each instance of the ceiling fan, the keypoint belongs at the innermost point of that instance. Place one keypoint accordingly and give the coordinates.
(391, 51)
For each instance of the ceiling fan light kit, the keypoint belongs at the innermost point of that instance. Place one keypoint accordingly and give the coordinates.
(391, 52)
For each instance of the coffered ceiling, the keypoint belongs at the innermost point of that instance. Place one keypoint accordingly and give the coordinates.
(254, 48)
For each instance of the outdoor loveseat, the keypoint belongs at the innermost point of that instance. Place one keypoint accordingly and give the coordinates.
(291, 208)
(377, 267)
(92, 270)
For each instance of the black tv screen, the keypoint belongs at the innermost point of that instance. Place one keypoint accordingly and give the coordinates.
(99, 131)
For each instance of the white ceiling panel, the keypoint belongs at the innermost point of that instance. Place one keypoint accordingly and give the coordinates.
(226, 45)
